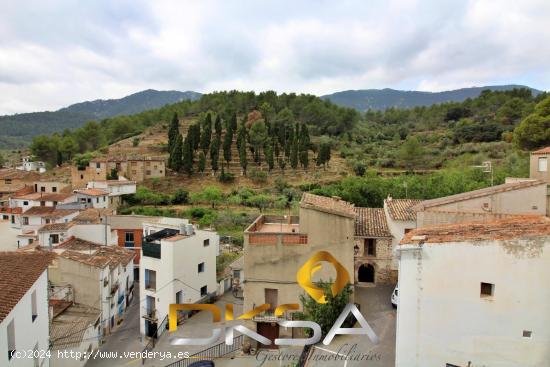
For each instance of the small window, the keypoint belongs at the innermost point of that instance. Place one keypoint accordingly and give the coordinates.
(543, 164)
(42, 189)
(201, 268)
(129, 239)
(204, 291)
(33, 306)
(148, 173)
(179, 297)
(98, 165)
(25, 221)
(54, 189)
(81, 177)
(407, 230)
(97, 200)
(487, 290)
(206, 242)
(42, 203)
(370, 247)
(25, 203)
(54, 238)
(527, 333)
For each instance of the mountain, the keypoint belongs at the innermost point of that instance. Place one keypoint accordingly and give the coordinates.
(381, 99)
(18, 130)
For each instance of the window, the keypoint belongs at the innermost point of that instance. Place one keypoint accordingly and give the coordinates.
(179, 297)
(98, 165)
(42, 203)
(11, 339)
(407, 230)
(25, 221)
(48, 221)
(527, 333)
(201, 268)
(33, 306)
(81, 177)
(150, 279)
(25, 203)
(543, 164)
(271, 298)
(148, 173)
(129, 239)
(7, 181)
(204, 291)
(97, 200)
(42, 189)
(206, 242)
(487, 290)
(236, 273)
(54, 238)
(370, 247)
(54, 189)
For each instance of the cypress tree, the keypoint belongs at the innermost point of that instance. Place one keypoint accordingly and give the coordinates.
(206, 135)
(215, 153)
(268, 153)
(218, 125)
(187, 157)
(294, 153)
(227, 142)
(242, 156)
(173, 131)
(175, 159)
(202, 162)
(233, 122)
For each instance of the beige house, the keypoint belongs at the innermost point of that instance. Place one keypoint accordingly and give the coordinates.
(275, 248)
(373, 248)
(524, 197)
(135, 169)
(539, 170)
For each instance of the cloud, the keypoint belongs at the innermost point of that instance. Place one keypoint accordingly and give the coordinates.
(55, 53)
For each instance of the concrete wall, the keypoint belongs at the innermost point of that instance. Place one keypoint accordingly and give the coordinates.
(90, 342)
(533, 168)
(28, 334)
(443, 319)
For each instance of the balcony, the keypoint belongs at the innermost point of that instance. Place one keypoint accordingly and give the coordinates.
(149, 314)
(151, 250)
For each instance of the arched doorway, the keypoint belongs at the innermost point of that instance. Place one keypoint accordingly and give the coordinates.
(366, 273)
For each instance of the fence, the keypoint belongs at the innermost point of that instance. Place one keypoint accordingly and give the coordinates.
(216, 351)
(151, 344)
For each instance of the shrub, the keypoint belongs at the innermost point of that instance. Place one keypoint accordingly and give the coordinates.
(181, 196)
(226, 177)
(135, 142)
(258, 176)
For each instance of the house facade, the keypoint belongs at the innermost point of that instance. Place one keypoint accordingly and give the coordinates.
(475, 294)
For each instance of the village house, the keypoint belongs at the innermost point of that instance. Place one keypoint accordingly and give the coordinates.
(28, 201)
(14, 182)
(116, 189)
(98, 232)
(24, 320)
(51, 187)
(373, 248)
(539, 170)
(178, 265)
(37, 216)
(475, 294)
(93, 198)
(275, 248)
(102, 277)
(135, 169)
(29, 164)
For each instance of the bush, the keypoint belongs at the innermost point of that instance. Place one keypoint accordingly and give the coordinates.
(135, 142)
(257, 176)
(181, 196)
(226, 177)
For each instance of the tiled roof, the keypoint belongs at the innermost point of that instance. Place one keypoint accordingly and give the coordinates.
(126, 159)
(48, 212)
(11, 187)
(17, 210)
(525, 226)
(15, 174)
(371, 222)
(92, 192)
(68, 329)
(477, 193)
(92, 215)
(55, 227)
(400, 209)
(94, 254)
(542, 151)
(44, 196)
(332, 205)
(18, 272)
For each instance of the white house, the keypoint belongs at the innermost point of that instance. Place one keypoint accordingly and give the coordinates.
(93, 198)
(37, 216)
(24, 321)
(401, 219)
(475, 294)
(41, 199)
(56, 233)
(115, 188)
(176, 266)
(102, 277)
(28, 164)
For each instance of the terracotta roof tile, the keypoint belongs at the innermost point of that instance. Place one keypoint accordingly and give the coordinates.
(371, 222)
(48, 212)
(332, 205)
(55, 227)
(18, 272)
(542, 151)
(15, 174)
(400, 209)
(17, 210)
(44, 196)
(477, 193)
(92, 215)
(94, 254)
(523, 226)
(92, 192)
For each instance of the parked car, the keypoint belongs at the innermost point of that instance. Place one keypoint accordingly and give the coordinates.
(395, 296)
(202, 364)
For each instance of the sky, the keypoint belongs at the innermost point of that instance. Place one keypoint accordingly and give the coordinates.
(55, 53)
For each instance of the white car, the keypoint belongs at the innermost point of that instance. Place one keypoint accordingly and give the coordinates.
(395, 296)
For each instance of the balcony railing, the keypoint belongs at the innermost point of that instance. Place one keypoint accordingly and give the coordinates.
(151, 249)
(150, 314)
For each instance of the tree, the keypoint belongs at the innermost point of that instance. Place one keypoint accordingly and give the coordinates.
(68, 147)
(113, 175)
(294, 153)
(206, 135)
(218, 125)
(233, 122)
(323, 155)
(181, 196)
(411, 153)
(194, 134)
(242, 157)
(326, 314)
(215, 153)
(268, 153)
(173, 131)
(212, 195)
(227, 142)
(2, 162)
(202, 162)
(187, 157)
(175, 158)
(257, 137)
(534, 131)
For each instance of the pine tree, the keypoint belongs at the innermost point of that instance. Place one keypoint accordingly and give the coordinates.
(227, 142)
(176, 154)
(187, 157)
(218, 126)
(202, 162)
(215, 153)
(206, 135)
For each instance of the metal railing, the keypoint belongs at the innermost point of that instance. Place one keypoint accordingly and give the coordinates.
(152, 342)
(215, 351)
